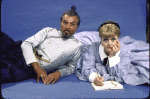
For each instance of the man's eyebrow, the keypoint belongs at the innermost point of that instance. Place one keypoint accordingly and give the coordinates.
(65, 20)
(73, 22)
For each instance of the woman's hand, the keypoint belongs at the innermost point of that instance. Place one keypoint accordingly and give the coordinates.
(98, 81)
(115, 49)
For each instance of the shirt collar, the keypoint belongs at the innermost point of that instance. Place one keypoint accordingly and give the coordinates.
(103, 54)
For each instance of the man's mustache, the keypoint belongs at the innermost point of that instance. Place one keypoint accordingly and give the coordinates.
(67, 30)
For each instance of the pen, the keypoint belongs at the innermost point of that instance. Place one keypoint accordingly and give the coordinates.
(97, 74)
(113, 83)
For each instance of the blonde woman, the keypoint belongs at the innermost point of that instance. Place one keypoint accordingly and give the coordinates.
(110, 59)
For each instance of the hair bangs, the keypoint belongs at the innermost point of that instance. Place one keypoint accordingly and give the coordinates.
(107, 34)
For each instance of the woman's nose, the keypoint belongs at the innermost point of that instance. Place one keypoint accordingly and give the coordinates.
(109, 42)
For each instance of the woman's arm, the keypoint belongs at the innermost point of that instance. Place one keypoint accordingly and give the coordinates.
(88, 68)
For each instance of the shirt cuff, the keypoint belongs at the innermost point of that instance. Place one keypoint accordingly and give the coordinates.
(66, 71)
(92, 76)
(30, 60)
(113, 61)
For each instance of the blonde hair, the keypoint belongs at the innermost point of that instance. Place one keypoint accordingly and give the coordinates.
(109, 28)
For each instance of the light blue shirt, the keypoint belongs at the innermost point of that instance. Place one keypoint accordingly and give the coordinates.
(61, 53)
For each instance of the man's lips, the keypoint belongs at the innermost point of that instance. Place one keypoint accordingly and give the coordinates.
(66, 31)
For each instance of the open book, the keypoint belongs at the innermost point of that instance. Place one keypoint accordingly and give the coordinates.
(108, 85)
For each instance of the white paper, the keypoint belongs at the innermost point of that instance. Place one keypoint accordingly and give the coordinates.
(108, 85)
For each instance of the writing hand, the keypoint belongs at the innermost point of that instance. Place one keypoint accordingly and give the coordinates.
(115, 49)
(53, 77)
(98, 81)
(39, 71)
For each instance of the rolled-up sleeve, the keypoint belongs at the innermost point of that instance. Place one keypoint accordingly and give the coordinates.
(29, 44)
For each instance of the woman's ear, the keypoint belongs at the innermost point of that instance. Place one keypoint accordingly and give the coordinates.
(101, 43)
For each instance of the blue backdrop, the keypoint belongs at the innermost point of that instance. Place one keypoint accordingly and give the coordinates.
(21, 19)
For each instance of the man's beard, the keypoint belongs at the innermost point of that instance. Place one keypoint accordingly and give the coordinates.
(66, 35)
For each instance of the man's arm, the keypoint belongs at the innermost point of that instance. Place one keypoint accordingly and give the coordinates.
(27, 49)
(71, 65)
(29, 44)
(67, 70)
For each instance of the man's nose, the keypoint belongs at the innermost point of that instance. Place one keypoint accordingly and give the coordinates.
(68, 26)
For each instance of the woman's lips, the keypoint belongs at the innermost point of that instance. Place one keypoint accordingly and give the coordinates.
(109, 47)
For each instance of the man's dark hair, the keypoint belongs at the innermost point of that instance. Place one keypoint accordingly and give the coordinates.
(72, 12)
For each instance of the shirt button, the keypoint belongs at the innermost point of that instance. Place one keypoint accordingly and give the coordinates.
(49, 42)
(43, 48)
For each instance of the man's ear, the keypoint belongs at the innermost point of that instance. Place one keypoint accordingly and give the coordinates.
(76, 28)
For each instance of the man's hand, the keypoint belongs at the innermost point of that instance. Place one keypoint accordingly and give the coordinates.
(53, 77)
(39, 71)
(98, 81)
(115, 49)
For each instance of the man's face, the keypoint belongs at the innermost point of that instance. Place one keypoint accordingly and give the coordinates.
(68, 25)
(109, 43)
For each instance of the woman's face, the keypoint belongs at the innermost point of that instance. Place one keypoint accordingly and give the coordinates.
(109, 42)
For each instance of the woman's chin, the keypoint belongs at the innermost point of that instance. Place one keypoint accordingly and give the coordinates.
(109, 49)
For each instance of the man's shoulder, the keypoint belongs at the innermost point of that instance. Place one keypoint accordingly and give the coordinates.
(51, 32)
(49, 29)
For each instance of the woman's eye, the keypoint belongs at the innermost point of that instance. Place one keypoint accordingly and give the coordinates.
(113, 39)
(105, 40)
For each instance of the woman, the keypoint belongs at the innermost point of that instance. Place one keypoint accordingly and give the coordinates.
(110, 59)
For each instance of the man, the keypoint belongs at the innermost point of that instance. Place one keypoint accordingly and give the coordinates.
(51, 54)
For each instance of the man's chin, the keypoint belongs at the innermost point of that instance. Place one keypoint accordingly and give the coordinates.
(65, 35)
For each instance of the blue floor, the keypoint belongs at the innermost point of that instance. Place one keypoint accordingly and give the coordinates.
(68, 87)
